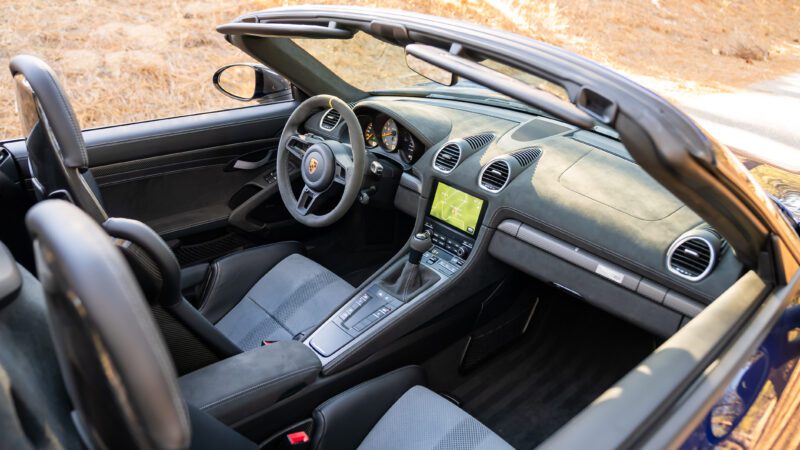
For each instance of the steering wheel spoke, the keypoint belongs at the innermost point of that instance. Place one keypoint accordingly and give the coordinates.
(308, 200)
(322, 163)
(344, 163)
(297, 144)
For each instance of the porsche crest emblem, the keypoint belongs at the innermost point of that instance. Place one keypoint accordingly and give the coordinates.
(312, 165)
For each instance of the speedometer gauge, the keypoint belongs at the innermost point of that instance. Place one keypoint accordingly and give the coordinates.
(389, 135)
(370, 137)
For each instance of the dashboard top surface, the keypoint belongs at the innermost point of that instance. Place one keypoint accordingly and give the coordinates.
(582, 187)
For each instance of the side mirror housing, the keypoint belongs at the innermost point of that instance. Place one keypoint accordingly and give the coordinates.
(246, 82)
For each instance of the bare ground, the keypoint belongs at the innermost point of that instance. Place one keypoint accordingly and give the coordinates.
(125, 61)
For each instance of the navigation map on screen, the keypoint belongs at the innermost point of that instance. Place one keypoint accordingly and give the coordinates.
(456, 208)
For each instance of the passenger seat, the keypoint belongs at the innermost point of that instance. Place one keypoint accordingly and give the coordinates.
(123, 385)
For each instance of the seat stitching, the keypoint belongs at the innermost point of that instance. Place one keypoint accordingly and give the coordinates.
(281, 324)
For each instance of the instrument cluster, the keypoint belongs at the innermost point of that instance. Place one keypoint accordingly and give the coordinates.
(383, 134)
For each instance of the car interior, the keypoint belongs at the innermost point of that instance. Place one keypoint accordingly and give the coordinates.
(380, 270)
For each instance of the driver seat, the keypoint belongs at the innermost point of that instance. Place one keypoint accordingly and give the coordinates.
(266, 293)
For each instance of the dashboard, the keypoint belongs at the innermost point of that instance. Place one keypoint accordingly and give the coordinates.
(564, 205)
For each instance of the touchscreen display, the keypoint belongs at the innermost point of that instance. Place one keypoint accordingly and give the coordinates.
(456, 208)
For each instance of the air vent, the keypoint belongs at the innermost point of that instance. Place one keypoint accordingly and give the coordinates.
(526, 156)
(494, 176)
(479, 140)
(447, 158)
(329, 120)
(691, 257)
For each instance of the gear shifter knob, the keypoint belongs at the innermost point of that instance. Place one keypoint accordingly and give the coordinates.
(420, 243)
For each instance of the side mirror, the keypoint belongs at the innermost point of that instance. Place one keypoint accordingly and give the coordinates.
(431, 72)
(245, 82)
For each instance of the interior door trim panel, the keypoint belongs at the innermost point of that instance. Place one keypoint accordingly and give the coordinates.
(120, 143)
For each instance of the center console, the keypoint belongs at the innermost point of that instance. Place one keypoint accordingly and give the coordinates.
(437, 253)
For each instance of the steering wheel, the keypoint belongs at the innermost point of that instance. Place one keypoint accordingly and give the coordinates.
(323, 163)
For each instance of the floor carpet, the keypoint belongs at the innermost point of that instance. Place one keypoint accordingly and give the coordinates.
(571, 353)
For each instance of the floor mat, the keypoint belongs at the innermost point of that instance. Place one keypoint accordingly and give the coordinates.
(571, 353)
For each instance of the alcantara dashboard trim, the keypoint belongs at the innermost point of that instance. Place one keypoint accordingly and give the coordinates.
(643, 287)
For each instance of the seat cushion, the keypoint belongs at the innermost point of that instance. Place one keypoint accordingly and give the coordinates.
(231, 277)
(423, 420)
(295, 295)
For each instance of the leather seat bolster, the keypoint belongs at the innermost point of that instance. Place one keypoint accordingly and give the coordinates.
(248, 383)
(230, 278)
(345, 420)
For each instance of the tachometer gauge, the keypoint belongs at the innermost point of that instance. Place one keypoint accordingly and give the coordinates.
(370, 137)
(389, 135)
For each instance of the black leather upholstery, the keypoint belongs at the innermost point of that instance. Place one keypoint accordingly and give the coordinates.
(56, 107)
(113, 360)
(56, 150)
(209, 433)
(269, 293)
(245, 384)
(119, 378)
(345, 420)
(192, 340)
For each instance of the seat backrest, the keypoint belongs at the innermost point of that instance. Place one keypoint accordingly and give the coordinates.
(57, 155)
(193, 341)
(113, 359)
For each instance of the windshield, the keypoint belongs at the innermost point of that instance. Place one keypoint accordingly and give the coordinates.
(375, 66)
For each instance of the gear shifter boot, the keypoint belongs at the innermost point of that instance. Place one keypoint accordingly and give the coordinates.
(406, 283)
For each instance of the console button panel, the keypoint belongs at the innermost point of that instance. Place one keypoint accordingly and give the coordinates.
(447, 239)
(368, 308)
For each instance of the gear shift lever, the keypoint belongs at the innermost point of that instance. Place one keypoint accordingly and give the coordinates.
(420, 243)
(406, 281)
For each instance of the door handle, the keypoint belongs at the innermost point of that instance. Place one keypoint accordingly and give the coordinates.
(242, 163)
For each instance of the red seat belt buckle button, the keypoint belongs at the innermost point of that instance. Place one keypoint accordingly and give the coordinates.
(301, 437)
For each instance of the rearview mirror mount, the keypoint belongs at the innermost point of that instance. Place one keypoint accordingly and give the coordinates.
(246, 82)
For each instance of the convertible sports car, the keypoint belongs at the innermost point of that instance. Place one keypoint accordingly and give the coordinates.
(471, 241)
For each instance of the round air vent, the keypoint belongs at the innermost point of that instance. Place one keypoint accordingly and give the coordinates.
(330, 120)
(494, 176)
(447, 158)
(693, 256)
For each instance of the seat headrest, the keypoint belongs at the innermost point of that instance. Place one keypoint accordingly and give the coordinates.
(113, 358)
(59, 116)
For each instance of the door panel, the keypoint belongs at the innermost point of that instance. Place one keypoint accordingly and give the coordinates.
(177, 176)
(177, 192)
(180, 134)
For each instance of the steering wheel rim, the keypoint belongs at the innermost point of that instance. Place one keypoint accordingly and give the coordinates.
(333, 163)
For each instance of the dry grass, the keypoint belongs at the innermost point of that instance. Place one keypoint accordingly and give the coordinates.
(126, 61)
